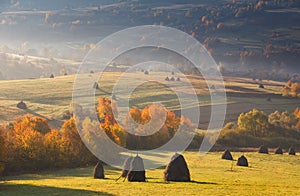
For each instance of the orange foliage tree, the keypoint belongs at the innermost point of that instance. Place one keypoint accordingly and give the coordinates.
(31, 145)
(152, 113)
(297, 116)
(108, 123)
(24, 147)
(53, 147)
(291, 89)
(36, 123)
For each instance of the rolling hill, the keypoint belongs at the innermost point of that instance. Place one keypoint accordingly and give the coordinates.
(51, 97)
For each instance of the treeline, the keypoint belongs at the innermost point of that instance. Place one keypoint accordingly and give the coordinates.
(29, 144)
(140, 136)
(255, 128)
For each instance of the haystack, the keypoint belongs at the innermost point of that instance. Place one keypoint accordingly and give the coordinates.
(261, 86)
(278, 150)
(177, 170)
(51, 76)
(146, 72)
(167, 79)
(227, 155)
(292, 151)
(242, 161)
(263, 149)
(95, 85)
(99, 170)
(178, 79)
(136, 172)
(172, 79)
(22, 105)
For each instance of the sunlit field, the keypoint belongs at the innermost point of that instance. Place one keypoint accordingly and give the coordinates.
(266, 175)
(88, 81)
(51, 97)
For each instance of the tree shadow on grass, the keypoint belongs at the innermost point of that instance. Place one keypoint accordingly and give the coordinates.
(58, 173)
(25, 189)
(34, 113)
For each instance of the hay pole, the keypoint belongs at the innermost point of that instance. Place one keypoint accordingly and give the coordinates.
(118, 178)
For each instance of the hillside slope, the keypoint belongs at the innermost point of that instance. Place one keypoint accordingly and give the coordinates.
(51, 97)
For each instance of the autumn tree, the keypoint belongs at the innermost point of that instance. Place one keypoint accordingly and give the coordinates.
(36, 123)
(291, 89)
(153, 126)
(25, 150)
(254, 121)
(2, 151)
(283, 120)
(297, 116)
(108, 122)
(73, 149)
(295, 89)
(53, 148)
(105, 108)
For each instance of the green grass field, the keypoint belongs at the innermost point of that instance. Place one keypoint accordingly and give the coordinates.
(266, 175)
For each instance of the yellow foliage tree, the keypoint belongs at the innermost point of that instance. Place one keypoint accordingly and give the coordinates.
(73, 150)
(254, 121)
(36, 123)
(25, 149)
(52, 143)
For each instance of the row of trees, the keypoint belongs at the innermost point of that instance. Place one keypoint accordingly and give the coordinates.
(145, 135)
(29, 144)
(256, 127)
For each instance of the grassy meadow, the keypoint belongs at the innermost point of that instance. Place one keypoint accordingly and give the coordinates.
(266, 175)
(51, 98)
